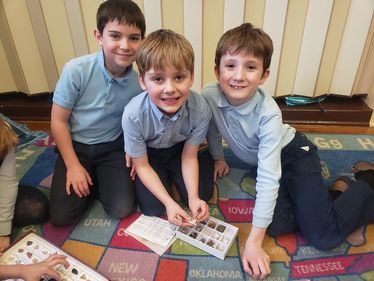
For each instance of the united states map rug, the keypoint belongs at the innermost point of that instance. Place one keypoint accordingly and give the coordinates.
(101, 242)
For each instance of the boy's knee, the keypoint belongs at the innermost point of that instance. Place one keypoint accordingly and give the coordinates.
(60, 219)
(120, 212)
(153, 211)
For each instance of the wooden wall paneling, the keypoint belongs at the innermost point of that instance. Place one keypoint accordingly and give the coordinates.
(333, 40)
(213, 11)
(292, 38)
(77, 28)
(233, 14)
(172, 15)
(254, 12)
(364, 83)
(89, 9)
(274, 23)
(365, 73)
(7, 83)
(26, 47)
(12, 78)
(353, 42)
(43, 43)
(58, 29)
(314, 35)
(193, 11)
(153, 15)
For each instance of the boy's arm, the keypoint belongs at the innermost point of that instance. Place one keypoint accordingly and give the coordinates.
(76, 174)
(152, 181)
(214, 139)
(8, 195)
(190, 171)
(255, 260)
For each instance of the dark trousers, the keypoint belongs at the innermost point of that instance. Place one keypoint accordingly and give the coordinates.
(167, 163)
(112, 186)
(304, 201)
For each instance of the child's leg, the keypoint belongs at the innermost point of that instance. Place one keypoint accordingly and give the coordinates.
(159, 159)
(148, 203)
(283, 219)
(325, 223)
(31, 206)
(116, 188)
(66, 209)
(206, 175)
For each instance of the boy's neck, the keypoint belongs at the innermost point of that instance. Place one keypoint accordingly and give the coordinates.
(119, 75)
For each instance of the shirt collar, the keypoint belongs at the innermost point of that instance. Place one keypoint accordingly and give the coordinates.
(242, 109)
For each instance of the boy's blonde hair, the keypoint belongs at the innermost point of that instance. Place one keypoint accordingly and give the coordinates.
(248, 39)
(164, 47)
(8, 138)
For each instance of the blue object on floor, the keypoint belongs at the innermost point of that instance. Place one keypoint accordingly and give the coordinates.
(25, 136)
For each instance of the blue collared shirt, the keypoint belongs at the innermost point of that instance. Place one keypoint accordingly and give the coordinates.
(255, 133)
(144, 125)
(95, 97)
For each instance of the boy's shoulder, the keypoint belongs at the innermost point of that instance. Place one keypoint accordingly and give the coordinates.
(196, 101)
(210, 89)
(84, 60)
(137, 104)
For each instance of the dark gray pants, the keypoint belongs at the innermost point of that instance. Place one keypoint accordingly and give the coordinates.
(304, 201)
(167, 164)
(112, 186)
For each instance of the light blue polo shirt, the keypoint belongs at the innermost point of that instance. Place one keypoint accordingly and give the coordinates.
(95, 97)
(144, 125)
(256, 134)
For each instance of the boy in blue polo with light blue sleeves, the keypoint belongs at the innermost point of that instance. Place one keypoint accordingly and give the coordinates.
(163, 129)
(86, 119)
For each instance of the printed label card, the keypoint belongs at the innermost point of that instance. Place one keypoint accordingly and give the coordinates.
(153, 229)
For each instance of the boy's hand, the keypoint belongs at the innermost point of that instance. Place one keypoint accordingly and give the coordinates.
(128, 163)
(221, 169)
(255, 261)
(33, 272)
(199, 209)
(4, 242)
(78, 178)
(176, 215)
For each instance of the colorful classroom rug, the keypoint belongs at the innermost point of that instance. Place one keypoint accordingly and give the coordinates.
(101, 242)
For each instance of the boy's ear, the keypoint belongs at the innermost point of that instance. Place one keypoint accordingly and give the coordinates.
(98, 37)
(216, 72)
(265, 76)
(141, 82)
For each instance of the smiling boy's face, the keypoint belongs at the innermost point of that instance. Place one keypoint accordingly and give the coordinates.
(239, 76)
(168, 89)
(120, 42)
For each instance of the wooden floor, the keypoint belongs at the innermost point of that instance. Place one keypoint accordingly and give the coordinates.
(45, 126)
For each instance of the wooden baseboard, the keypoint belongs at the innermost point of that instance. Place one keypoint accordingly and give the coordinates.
(339, 111)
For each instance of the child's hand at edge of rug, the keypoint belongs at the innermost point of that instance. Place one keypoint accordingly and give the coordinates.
(4, 242)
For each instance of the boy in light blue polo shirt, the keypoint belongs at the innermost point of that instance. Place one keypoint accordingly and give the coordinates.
(86, 118)
(290, 192)
(163, 128)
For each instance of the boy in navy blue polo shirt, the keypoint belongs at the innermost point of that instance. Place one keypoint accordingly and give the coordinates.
(86, 118)
(163, 128)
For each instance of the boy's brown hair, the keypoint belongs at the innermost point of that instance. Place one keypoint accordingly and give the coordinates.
(245, 38)
(125, 11)
(164, 47)
(8, 138)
